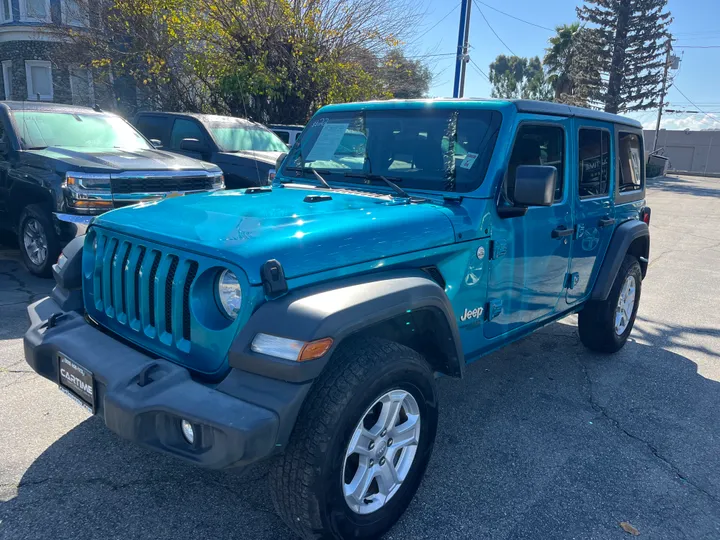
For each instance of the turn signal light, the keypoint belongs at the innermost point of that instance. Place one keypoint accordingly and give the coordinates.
(92, 204)
(315, 349)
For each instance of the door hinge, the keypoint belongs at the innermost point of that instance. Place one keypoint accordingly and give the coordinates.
(494, 308)
(498, 249)
(571, 280)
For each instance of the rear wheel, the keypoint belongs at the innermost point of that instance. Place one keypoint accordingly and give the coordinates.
(361, 444)
(605, 326)
(38, 240)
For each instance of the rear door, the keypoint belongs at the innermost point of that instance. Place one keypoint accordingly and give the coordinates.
(594, 213)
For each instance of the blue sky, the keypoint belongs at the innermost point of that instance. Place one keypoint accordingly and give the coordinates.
(696, 24)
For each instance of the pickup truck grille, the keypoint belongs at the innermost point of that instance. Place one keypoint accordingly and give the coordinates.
(160, 184)
(144, 288)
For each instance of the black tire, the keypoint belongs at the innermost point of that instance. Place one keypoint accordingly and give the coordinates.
(596, 322)
(34, 215)
(306, 482)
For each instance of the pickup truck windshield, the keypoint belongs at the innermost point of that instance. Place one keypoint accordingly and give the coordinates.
(40, 129)
(237, 135)
(431, 149)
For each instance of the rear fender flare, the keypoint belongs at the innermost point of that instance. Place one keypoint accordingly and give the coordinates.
(629, 237)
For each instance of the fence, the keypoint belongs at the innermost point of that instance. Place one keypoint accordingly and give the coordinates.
(696, 152)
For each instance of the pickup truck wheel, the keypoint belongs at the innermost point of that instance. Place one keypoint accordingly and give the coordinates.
(605, 326)
(361, 444)
(39, 243)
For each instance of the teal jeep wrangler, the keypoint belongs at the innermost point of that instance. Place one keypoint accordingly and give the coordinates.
(306, 322)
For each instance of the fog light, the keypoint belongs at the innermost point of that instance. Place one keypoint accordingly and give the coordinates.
(188, 431)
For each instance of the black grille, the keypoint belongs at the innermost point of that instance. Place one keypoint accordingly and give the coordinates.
(153, 271)
(186, 299)
(168, 294)
(124, 277)
(161, 185)
(137, 289)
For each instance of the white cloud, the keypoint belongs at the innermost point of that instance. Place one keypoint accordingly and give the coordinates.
(675, 121)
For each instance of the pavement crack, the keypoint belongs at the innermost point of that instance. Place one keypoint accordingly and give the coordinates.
(653, 450)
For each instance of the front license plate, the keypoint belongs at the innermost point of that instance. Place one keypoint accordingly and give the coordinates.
(76, 381)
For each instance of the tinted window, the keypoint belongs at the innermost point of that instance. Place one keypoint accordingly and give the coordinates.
(630, 160)
(154, 127)
(185, 129)
(594, 157)
(284, 136)
(537, 145)
(40, 129)
(434, 148)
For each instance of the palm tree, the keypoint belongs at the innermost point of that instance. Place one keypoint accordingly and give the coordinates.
(559, 59)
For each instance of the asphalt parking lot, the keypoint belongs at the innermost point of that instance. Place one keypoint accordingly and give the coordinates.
(541, 440)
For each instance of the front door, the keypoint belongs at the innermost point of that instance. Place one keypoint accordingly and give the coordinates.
(594, 213)
(530, 252)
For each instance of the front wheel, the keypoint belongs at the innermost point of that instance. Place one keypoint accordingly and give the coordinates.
(361, 444)
(605, 326)
(39, 243)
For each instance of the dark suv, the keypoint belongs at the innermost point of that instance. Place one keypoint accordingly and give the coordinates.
(61, 165)
(246, 151)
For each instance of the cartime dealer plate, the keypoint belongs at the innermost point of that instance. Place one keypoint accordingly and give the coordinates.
(76, 381)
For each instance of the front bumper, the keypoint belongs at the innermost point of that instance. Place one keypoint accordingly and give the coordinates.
(230, 431)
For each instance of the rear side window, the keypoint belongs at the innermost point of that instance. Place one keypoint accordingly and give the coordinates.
(185, 129)
(154, 127)
(537, 145)
(594, 154)
(284, 136)
(630, 160)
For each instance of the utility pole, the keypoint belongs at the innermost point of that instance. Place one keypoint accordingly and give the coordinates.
(462, 49)
(662, 93)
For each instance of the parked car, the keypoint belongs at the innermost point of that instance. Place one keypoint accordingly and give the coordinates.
(60, 165)
(246, 151)
(287, 133)
(306, 322)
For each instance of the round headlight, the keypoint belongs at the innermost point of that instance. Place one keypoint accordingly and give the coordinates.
(229, 293)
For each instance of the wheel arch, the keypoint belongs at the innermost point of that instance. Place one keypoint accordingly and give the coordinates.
(631, 237)
(378, 305)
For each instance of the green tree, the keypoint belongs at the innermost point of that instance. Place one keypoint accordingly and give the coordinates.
(572, 73)
(515, 77)
(628, 44)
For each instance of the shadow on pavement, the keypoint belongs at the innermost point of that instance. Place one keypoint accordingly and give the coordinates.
(685, 186)
(541, 440)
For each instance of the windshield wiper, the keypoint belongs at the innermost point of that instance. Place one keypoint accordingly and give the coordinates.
(397, 189)
(314, 172)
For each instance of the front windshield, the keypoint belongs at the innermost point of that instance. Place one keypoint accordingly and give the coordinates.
(234, 135)
(40, 129)
(432, 148)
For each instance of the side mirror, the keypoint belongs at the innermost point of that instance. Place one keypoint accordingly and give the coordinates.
(157, 143)
(279, 160)
(535, 185)
(4, 147)
(193, 145)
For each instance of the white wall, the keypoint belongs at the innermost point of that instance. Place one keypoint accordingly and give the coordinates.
(689, 151)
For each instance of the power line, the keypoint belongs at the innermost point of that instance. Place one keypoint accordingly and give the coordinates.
(691, 103)
(477, 68)
(696, 46)
(437, 23)
(492, 29)
(431, 55)
(514, 17)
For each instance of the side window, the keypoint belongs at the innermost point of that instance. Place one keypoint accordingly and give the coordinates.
(185, 129)
(537, 145)
(154, 127)
(630, 160)
(594, 157)
(284, 136)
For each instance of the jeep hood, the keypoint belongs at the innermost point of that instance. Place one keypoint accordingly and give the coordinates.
(306, 237)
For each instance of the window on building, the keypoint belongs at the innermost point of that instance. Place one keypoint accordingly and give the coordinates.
(7, 78)
(537, 145)
(35, 10)
(81, 86)
(74, 12)
(6, 11)
(185, 129)
(39, 80)
(630, 160)
(594, 157)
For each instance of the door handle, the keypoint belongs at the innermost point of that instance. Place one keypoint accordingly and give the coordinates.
(562, 232)
(606, 222)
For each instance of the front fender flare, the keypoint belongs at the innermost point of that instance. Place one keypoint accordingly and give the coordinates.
(339, 309)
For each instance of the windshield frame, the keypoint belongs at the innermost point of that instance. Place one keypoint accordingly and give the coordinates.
(17, 132)
(435, 182)
(208, 123)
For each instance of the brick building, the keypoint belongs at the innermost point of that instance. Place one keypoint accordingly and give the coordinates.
(36, 64)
